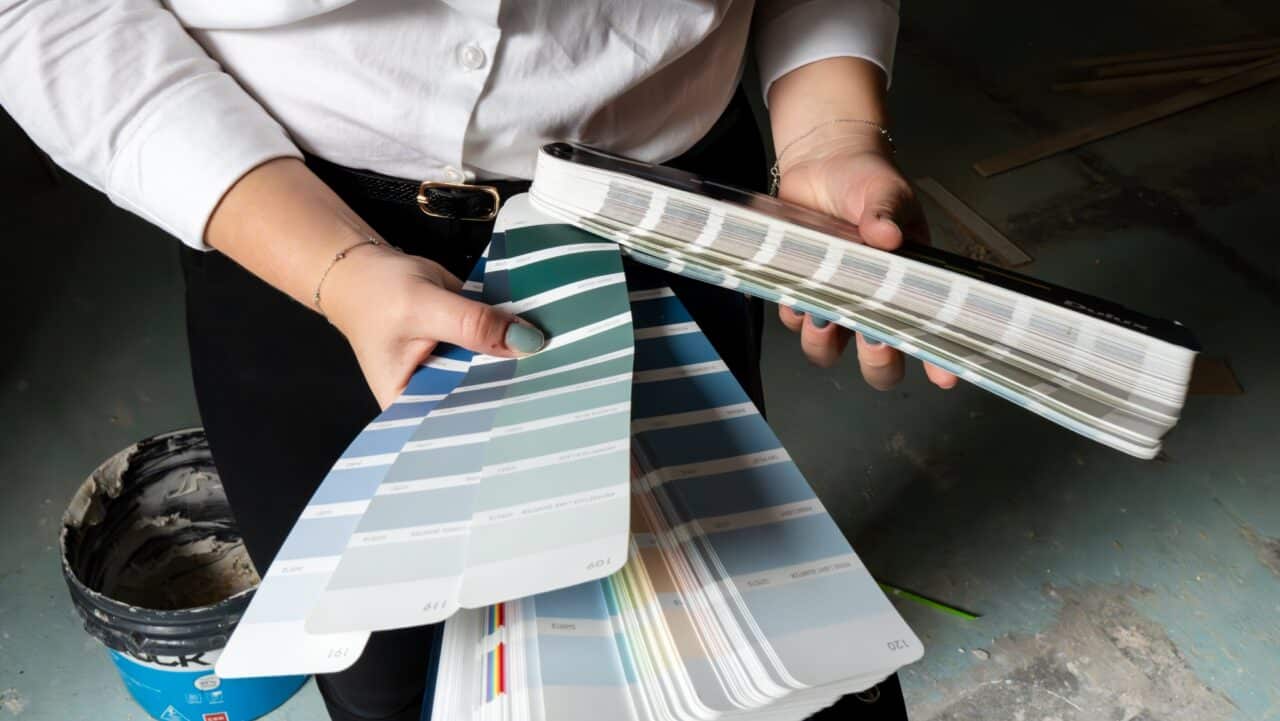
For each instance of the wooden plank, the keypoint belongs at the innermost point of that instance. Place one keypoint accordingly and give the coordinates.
(1177, 53)
(1186, 63)
(1134, 83)
(1127, 120)
(1137, 83)
(972, 223)
(1213, 377)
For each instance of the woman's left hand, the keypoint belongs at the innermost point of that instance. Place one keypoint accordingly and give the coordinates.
(852, 177)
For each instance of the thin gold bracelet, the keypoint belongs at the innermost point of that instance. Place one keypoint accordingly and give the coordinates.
(337, 257)
(775, 173)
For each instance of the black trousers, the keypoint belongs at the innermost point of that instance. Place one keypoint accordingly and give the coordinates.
(281, 396)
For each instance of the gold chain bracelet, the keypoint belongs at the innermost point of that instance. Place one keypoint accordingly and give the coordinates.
(775, 173)
(337, 257)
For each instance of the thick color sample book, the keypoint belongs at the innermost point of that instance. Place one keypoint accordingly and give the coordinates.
(1106, 372)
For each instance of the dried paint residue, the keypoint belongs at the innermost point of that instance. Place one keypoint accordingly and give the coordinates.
(12, 701)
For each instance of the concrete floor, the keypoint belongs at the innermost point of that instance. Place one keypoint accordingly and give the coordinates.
(1107, 587)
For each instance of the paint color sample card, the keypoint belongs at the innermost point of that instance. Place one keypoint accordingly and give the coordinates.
(271, 638)
(553, 503)
(491, 479)
(1111, 374)
(517, 482)
(406, 559)
(740, 597)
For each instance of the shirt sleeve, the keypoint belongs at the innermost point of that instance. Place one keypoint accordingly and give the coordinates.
(118, 93)
(789, 34)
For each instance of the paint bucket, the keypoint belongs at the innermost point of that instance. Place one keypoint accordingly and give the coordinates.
(158, 572)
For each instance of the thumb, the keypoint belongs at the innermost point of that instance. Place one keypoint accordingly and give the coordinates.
(884, 208)
(478, 326)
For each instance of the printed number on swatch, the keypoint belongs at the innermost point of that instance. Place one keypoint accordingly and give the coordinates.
(598, 564)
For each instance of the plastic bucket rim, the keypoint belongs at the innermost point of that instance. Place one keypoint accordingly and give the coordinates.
(213, 621)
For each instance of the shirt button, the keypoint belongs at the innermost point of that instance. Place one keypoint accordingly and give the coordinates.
(453, 175)
(471, 57)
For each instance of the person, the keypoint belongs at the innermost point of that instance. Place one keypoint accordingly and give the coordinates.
(277, 138)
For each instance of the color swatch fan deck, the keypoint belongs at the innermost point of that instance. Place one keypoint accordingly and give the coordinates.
(489, 479)
(608, 527)
(740, 598)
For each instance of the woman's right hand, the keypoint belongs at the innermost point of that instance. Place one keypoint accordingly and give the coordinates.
(394, 308)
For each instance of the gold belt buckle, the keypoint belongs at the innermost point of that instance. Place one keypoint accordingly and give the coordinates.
(424, 202)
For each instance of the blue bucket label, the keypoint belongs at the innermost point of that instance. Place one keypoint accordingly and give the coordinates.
(185, 688)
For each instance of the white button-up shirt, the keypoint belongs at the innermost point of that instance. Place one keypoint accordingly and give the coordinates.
(165, 106)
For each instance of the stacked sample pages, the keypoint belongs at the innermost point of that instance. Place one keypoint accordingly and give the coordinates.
(609, 526)
(740, 597)
(1108, 373)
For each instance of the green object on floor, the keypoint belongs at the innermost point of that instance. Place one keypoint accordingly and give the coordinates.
(938, 605)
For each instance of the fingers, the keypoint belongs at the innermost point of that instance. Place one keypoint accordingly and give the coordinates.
(388, 385)
(476, 326)
(387, 369)
(887, 213)
(881, 366)
(890, 215)
(385, 394)
(792, 319)
(450, 281)
(885, 207)
(939, 377)
(823, 341)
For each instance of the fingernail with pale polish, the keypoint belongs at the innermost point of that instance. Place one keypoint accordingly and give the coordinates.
(523, 338)
(871, 342)
(820, 322)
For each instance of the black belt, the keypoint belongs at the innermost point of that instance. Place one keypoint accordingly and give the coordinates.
(451, 201)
